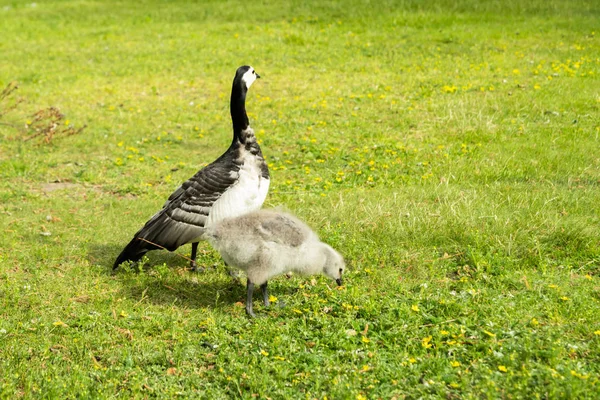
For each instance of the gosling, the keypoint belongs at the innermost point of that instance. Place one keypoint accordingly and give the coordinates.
(268, 243)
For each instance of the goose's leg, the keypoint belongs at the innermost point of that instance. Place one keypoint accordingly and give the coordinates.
(249, 300)
(265, 294)
(193, 263)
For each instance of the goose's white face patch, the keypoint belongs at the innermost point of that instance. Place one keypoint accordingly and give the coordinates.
(249, 77)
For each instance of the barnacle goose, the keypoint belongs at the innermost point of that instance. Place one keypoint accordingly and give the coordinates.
(234, 184)
(267, 243)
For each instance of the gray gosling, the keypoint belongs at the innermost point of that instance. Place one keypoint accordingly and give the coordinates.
(268, 243)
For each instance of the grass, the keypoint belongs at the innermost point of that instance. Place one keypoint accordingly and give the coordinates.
(448, 150)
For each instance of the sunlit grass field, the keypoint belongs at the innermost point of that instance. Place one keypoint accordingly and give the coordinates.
(450, 151)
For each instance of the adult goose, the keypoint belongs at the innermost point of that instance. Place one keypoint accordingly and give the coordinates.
(234, 184)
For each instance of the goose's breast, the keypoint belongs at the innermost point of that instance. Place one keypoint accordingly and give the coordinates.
(247, 194)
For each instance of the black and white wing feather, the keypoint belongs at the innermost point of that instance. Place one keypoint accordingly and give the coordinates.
(185, 214)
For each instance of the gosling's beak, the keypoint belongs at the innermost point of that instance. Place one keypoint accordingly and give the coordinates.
(339, 281)
(257, 75)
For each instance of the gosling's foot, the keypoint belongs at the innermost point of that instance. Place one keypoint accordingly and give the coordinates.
(250, 312)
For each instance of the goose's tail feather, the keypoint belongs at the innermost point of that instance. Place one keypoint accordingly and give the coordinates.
(134, 251)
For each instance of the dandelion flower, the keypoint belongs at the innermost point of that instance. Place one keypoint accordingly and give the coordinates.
(426, 342)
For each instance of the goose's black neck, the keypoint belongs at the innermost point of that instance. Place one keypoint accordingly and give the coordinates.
(237, 107)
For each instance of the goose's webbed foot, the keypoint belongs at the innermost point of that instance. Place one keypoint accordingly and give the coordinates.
(193, 264)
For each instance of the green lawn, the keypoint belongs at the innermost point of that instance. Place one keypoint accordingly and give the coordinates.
(450, 151)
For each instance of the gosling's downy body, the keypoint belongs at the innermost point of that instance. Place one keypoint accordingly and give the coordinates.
(268, 243)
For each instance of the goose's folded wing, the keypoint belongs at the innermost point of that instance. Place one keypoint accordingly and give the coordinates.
(184, 215)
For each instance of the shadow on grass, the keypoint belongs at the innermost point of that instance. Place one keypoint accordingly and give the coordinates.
(183, 293)
(105, 255)
(165, 278)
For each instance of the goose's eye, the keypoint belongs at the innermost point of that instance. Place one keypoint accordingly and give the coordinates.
(341, 270)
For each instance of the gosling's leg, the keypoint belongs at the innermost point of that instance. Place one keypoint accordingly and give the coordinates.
(193, 264)
(249, 300)
(265, 294)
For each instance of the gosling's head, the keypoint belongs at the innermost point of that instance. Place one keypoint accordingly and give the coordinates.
(334, 264)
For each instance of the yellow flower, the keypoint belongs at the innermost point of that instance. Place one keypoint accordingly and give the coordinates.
(455, 364)
(272, 298)
(365, 339)
(564, 298)
(426, 342)
(264, 353)
(449, 89)
(502, 368)
(597, 333)
(444, 332)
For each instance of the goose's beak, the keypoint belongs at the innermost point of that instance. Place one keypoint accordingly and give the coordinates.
(257, 75)
(339, 281)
